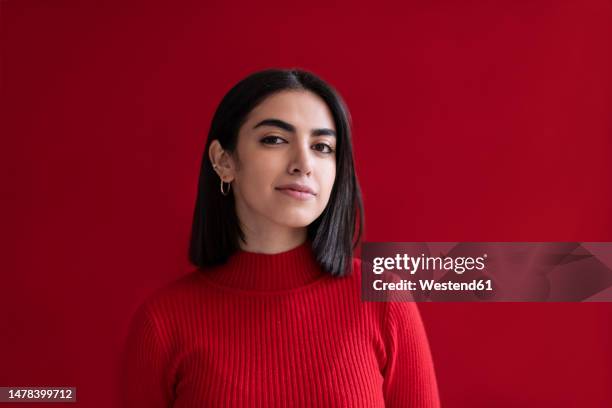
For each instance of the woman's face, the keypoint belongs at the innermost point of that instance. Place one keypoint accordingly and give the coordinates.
(289, 138)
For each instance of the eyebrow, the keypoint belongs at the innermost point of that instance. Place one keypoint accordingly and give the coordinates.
(290, 128)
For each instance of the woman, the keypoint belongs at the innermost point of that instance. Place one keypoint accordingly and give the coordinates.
(272, 315)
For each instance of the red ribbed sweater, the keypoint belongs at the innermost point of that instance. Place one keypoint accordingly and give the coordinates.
(274, 330)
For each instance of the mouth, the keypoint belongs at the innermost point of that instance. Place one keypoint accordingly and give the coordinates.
(300, 195)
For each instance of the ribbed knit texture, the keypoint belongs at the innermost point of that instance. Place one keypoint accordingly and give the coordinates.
(274, 330)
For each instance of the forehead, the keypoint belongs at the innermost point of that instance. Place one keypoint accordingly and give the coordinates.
(300, 108)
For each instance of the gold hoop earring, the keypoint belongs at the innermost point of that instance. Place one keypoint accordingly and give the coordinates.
(229, 186)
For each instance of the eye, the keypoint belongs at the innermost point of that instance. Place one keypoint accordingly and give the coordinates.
(326, 148)
(267, 140)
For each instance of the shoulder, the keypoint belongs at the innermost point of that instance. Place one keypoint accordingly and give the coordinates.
(351, 278)
(394, 308)
(400, 313)
(165, 300)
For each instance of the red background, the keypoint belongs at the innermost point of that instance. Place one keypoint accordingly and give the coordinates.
(473, 121)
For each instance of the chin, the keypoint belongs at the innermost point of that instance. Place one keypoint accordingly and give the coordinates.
(295, 221)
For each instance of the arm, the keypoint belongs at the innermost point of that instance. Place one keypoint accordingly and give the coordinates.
(409, 376)
(145, 360)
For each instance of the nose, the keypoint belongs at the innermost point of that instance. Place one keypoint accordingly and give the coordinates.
(301, 159)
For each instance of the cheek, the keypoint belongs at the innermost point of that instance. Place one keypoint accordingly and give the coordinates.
(331, 171)
(327, 179)
(258, 176)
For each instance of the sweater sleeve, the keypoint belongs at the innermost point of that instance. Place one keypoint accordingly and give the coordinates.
(145, 361)
(409, 376)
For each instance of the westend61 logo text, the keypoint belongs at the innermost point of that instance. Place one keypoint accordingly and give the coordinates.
(413, 264)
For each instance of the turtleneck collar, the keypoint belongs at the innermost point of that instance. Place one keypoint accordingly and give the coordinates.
(254, 271)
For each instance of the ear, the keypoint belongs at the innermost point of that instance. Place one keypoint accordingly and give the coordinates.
(224, 164)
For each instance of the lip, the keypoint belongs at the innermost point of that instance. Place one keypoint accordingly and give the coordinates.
(297, 191)
(300, 195)
(297, 187)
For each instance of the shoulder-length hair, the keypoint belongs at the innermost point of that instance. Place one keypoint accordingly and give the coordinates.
(216, 227)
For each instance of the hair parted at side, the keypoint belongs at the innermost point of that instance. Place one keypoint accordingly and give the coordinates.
(216, 227)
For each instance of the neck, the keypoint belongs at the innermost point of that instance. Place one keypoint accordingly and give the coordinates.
(265, 272)
(273, 241)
